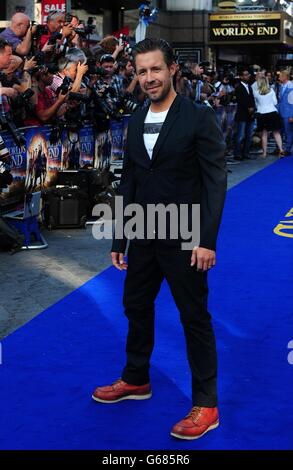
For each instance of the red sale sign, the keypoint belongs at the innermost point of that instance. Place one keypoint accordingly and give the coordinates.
(55, 5)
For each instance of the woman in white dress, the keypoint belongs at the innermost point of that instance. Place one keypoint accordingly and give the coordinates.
(268, 118)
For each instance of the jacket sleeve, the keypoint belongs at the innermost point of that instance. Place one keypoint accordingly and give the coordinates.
(126, 189)
(210, 148)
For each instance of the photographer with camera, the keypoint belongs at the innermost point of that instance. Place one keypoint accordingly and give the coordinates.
(47, 104)
(19, 34)
(54, 34)
(70, 74)
(7, 93)
(182, 81)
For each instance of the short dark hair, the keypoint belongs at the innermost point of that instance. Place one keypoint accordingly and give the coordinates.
(3, 44)
(156, 44)
(243, 70)
(106, 58)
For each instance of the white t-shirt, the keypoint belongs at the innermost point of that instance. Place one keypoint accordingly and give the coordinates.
(152, 127)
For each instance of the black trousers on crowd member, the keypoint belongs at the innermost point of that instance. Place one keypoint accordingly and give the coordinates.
(148, 265)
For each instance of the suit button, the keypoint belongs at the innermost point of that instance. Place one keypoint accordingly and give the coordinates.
(151, 170)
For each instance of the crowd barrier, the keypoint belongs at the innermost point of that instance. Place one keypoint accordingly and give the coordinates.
(36, 164)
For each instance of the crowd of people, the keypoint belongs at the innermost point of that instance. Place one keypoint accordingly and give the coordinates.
(52, 74)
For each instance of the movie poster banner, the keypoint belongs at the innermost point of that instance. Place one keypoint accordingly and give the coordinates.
(18, 165)
(43, 158)
(36, 165)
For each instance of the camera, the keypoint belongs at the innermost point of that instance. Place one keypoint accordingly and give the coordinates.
(127, 103)
(65, 86)
(23, 100)
(80, 97)
(94, 70)
(123, 40)
(40, 29)
(187, 73)
(5, 175)
(7, 123)
(88, 29)
(40, 58)
(54, 38)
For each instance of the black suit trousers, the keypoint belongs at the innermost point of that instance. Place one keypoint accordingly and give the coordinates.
(148, 265)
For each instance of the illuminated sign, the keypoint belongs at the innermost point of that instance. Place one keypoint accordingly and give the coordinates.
(245, 27)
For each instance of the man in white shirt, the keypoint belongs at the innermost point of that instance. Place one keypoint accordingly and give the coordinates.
(174, 155)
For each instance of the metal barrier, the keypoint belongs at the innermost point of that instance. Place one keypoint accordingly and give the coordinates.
(35, 165)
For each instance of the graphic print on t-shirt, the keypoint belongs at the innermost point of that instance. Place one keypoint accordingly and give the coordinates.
(152, 128)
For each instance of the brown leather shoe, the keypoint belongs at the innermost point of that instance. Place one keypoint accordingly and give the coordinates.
(120, 390)
(199, 421)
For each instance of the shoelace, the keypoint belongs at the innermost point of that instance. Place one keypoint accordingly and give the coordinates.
(195, 413)
(117, 382)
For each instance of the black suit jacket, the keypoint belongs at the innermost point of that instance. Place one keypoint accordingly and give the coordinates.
(187, 166)
(244, 101)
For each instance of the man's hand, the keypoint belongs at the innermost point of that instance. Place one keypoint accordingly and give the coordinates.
(29, 64)
(8, 91)
(118, 261)
(203, 258)
(81, 69)
(67, 30)
(48, 47)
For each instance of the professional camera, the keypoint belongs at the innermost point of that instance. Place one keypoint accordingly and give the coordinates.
(94, 70)
(123, 40)
(4, 79)
(23, 99)
(80, 97)
(40, 29)
(88, 29)
(187, 73)
(5, 175)
(54, 38)
(39, 57)
(65, 86)
(7, 123)
(127, 103)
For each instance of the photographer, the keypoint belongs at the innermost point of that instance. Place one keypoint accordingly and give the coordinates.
(52, 35)
(183, 79)
(76, 24)
(19, 34)
(74, 71)
(6, 94)
(47, 104)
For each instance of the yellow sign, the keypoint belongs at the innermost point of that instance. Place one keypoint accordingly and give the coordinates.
(246, 17)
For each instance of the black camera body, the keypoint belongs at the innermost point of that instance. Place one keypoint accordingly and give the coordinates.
(187, 73)
(80, 97)
(94, 70)
(40, 29)
(6, 177)
(54, 38)
(65, 86)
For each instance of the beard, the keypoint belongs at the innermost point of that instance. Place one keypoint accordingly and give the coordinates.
(159, 96)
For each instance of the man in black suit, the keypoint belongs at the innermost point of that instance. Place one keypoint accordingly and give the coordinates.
(175, 154)
(244, 116)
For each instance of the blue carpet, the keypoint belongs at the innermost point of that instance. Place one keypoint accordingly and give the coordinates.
(52, 364)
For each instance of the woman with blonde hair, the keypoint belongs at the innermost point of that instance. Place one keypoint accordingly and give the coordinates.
(268, 118)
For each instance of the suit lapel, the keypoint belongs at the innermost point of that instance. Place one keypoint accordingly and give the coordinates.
(167, 125)
(140, 131)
